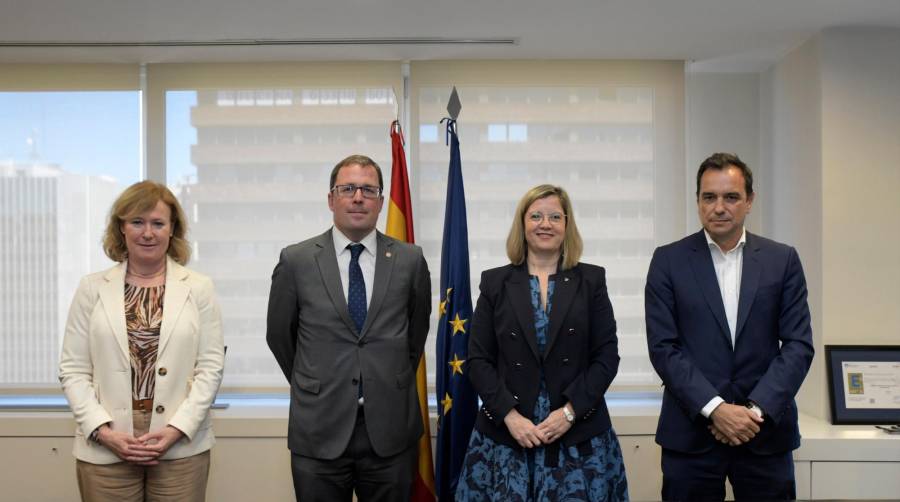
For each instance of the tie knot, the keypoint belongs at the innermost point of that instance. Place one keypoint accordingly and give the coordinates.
(355, 251)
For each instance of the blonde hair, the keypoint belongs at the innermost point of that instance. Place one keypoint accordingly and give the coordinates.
(137, 199)
(517, 248)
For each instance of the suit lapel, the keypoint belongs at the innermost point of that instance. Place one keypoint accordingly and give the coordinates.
(519, 296)
(563, 296)
(331, 277)
(384, 267)
(176, 296)
(705, 273)
(112, 295)
(749, 282)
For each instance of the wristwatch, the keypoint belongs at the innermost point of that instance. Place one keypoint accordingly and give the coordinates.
(95, 434)
(754, 408)
(570, 417)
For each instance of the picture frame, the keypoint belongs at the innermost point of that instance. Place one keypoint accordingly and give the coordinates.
(863, 384)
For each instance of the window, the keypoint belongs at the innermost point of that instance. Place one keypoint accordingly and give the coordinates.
(607, 144)
(265, 187)
(248, 149)
(69, 143)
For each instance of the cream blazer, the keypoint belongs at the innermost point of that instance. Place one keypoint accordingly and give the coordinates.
(95, 368)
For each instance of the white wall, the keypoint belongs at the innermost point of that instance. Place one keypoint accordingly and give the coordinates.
(832, 110)
(723, 116)
(792, 139)
(861, 186)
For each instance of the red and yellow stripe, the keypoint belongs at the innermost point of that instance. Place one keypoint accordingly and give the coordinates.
(400, 227)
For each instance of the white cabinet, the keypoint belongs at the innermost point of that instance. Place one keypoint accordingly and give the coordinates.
(855, 480)
(642, 456)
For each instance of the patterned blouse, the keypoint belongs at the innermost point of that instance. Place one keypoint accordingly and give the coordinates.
(143, 318)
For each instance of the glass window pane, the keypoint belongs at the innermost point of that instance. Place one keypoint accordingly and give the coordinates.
(255, 180)
(64, 158)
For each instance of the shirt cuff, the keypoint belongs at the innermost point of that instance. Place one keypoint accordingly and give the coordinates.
(711, 405)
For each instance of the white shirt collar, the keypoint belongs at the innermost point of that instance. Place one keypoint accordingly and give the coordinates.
(741, 242)
(341, 241)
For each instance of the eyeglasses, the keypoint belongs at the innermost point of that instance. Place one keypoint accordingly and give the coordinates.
(554, 218)
(349, 191)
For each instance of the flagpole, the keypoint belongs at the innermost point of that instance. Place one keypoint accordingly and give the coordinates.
(458, 403)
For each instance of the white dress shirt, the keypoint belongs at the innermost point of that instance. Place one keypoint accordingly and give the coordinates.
(729, 267)
(366, 260)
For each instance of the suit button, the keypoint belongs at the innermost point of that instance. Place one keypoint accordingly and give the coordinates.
(355, 381)
(571, 331)
(160, 409)
(361, 343)
(565, 360)
(162, 371)
(518, 366)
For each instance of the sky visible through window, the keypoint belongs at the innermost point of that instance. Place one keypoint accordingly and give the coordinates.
(81, 132)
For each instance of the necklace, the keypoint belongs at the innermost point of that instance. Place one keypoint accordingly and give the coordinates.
(147, 276)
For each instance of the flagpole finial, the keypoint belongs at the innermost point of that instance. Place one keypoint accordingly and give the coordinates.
(454, 105)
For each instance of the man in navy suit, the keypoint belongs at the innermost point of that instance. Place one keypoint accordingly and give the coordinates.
(728, 331)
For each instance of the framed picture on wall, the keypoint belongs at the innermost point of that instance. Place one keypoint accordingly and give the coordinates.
(864, 383)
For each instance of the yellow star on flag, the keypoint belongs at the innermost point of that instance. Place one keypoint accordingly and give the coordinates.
(456, 364)
(459, 325)
(442, 306)
(447, 403)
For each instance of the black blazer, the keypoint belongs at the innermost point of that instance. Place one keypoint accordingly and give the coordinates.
(580, 360)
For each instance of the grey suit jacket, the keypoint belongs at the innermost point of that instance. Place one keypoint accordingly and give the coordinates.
(311, 334)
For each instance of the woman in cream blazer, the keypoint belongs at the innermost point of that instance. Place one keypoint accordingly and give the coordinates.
(164, 443)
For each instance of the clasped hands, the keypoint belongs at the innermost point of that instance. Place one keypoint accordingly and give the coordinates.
(145, 450)
(529, 435)
(734, 425)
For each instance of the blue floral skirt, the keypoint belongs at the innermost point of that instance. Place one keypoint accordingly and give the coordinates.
(495, 472)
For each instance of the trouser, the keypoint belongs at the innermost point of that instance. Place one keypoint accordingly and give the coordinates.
(183, 479)
(358, 469)
(701, 477)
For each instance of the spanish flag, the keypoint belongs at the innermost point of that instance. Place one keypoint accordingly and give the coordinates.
(400, 227)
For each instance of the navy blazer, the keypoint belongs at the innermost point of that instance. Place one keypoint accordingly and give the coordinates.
(579, 362)
(690, 343)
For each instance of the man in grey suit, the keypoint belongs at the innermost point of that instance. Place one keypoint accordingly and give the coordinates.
(347, 322)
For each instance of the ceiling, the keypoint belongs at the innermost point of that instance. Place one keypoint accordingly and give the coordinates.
(718, 35)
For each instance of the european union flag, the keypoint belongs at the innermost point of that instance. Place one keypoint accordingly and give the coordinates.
(457, 401)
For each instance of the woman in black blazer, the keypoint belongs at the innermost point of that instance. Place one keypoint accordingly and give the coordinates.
(542, 352)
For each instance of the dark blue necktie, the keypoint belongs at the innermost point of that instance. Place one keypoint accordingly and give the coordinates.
(356, 291)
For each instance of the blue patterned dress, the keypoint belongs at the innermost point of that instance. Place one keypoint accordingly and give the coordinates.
(495, 472)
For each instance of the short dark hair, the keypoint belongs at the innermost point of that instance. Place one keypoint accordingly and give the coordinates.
(361, 160)
(720, 161)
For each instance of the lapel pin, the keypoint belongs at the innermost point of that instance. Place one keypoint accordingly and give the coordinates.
(387, 254)
(566, 279)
